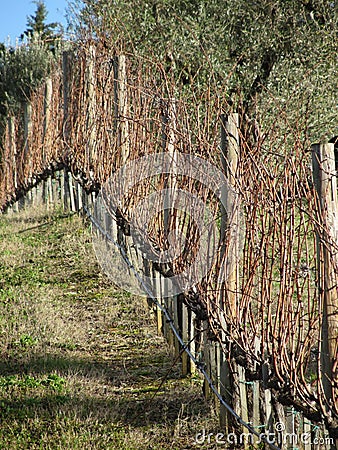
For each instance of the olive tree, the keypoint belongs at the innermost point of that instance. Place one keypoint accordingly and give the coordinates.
(261, 53)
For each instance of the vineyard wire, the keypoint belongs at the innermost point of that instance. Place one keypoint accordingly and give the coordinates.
(170, 321)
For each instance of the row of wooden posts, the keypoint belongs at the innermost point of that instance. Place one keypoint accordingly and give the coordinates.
(60, 188)
(252, 400)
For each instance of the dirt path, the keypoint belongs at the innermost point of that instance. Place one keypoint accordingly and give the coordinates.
(81, 362)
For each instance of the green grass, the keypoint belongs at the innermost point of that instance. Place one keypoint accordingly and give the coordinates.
(81, 363)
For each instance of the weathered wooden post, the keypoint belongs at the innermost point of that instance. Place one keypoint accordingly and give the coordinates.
(12, 148)
(47, 115)
(121, 105)
(215, 367)
(66, 61)
(27, 109)
(229, 286)
(72, 193)
(267, 396)
(206, 358)
(157, 290)
(256, 391)
(226, 391)
(13, 153)
(325, 180)
(91, 105)
(48, 195)
(47, 185)
(176, 308)
(185, 337)
(65, 194)
(79, 196)
(64, 178)
(193, 346)
(28, 125)
(229, 160)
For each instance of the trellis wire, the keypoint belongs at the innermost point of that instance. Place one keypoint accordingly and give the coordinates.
(279, 297)
(170, 321)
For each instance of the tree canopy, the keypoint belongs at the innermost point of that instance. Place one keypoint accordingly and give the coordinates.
(264, 54)
(38, 27)
(23, 68)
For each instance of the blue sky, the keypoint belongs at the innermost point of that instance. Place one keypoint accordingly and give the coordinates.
(13, 16)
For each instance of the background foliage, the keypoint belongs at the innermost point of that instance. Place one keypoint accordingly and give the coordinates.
(268, 57)
(24, 67)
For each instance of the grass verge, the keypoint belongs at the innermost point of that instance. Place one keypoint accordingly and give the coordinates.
(81, 362)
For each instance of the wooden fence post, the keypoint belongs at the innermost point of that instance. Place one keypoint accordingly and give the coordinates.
(243, 399)
(28, 134)
(267, 397)
(206, 360)
(229, 287)
(229, 160)
(12, 148)
(226, 391)
(29, 197)
(307, 433)
(65, 194)
(13, 152)
(122, 109)
(185, 338)
(66, 87)
(91, 109)
(170, 309)
(79, 196)
(84, 200)
(47, 116)
(48, 197)
(71, 193)
(64, 179)
(325, 180)
(256, 421)
(193, 345)
(55, 188)
(213, 369)
(170, 224)
(157, 291)
(38, 198)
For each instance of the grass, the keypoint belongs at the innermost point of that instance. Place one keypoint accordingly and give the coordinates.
(81, 363)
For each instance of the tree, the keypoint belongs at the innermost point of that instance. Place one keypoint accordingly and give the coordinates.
(24, 68)
(260, 53)
(38, 28)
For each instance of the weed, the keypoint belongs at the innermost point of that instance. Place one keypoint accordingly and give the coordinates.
(26, 341)
(52, 381)
(55, 382)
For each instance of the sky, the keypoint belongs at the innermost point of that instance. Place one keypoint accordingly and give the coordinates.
(13, 16)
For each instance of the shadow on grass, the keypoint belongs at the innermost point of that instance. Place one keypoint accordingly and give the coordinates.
(129, 398)
(134, 412)
(46, 218)
(150, 366)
